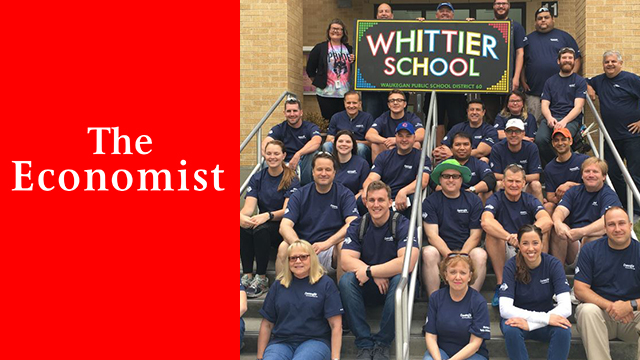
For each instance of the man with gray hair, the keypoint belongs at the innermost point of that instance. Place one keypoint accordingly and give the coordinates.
(619, 93)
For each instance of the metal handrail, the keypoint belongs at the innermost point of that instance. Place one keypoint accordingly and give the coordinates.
(257, 130)
(632, 190)
(405, 290)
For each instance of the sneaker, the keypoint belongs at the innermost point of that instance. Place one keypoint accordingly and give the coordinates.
(259, 286)
(364, 354)
(245, 280)
(496, 297)
(380, 353)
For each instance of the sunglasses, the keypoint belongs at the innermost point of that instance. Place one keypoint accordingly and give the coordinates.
(452, 255)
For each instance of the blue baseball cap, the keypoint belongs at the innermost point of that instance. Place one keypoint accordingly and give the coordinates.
(445, 4)
(406, 126)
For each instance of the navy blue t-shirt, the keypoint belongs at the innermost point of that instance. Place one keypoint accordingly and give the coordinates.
(264, 187)
(397, 170)
(562, 93)
(530, 124)
(316, 216)
(541, 56)
(556, 174)
(386, 126)
(587, 207)
(353, 173)
(294, 139)
(454, 322)
(528, 157)
(479, 169)
(619, 102)
(378, 246)
(547, 279)
(611, 273)
(512, 215)
(300, 312)
(358, 126)
(484, 133)
(455, 217)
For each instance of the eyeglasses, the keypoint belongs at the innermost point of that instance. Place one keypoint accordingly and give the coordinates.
(501, 4)
(513, 131)
(336, 29)
(295, 258)
(451, 176)
(452, 255)
(396, 101)
(515, 101)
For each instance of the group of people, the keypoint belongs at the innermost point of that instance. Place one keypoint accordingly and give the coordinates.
(351, 200)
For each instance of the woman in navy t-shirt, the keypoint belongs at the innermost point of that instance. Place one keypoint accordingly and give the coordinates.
(457, 319)
(352, 169)
(531, 278)
(268, 189)
(302, 311)
(515, 107)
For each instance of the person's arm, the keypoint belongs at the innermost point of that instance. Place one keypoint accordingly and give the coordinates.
(523, 78)
(596, 228)
(576, 65)
(546, 112)
(350, 260)
(488, 183)
(374, 136)
(472, 241)
(335, 322)
(308, 148)
(263, 337)
(543, 221)
(288, 233)
(371, 178)
(493, 228)
(247, 210)
(366, 142)
(468, 350)
(393, 267)
(535, 319)
(585, 294)
(266, 140)
(562, 189)
(334, 239)
(532, 177)
(562, 229)
(591, 92)
(518, 68)
(578, 104)
(435, 240)
(551, 197)
(501, 134)
(482, 150)
(330, 138)
(432, 346)
(419, 135)
(401, 196)
(313, 61)
(498, 176)
(243, 302)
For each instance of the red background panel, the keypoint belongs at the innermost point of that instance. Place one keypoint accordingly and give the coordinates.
(91, 275)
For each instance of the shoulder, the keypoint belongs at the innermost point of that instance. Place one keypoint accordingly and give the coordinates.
(471, 198)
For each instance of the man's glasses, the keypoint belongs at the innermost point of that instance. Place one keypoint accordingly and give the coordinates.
(451, 176)
(396, 101)
(513, 131)
(295, 258)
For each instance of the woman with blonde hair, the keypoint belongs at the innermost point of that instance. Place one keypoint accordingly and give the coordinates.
(457, 319)
(302, 311)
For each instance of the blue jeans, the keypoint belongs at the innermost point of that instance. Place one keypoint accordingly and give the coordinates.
(305, 169)
(363, 150)
(353, 299)
(543, 139)
(628, 149)
(241, 331)
(444, 356)
(559, 340)
(307, 350)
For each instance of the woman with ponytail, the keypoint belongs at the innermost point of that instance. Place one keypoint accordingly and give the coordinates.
(530, 280)
(269, 190)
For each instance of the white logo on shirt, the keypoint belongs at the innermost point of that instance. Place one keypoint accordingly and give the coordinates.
(577, 270)
(347, 240)
(334, 207)
(544, 281)
(462, 211)
(373, 167)
(595, 203)
(408, 167)
(473, 173)
(556, 40)
(504, 287)
(249, 188)
(360, 126)
(388, 238)
(524, 161)
(374, 125)
(352, 171)
(478, 137)
(489, 207)
(574, 168)
(466, 316)
(286, 211)
(302, 137)
(616, 85)
(311, 295)
(629, 266)
(355, 210)
(270, 132)
(572, 85)
(425, 215)
(524, 213)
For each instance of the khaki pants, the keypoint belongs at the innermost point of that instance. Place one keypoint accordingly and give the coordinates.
(534, 108)
(596, 328)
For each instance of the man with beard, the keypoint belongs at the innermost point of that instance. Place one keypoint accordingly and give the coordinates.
(563, 98)
(540, 50)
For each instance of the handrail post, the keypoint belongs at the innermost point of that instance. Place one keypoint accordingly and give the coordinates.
(259, 146)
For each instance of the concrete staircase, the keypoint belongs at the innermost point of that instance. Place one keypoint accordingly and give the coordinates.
(496, 346)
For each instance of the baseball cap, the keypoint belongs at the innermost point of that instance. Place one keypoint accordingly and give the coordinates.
(445, 4)
(406, 126)
(515, 123)
(542, 9)
(563, 131)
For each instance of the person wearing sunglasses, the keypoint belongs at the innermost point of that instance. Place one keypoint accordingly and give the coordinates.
(530, 281)
(302, 313)
(457, 322)
(451, 220)
(372, 257)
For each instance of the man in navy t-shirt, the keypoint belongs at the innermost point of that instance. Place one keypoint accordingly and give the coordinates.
(504, 213)
(381, 133)
(301, 139)
(579, 214)
(354, 120)
(563, 98)
(608, 285)
(619, 93)
(451, 219)
(483, 135)
(540, 53)
(399, 167)
(319, 213)
(563, 172)
(482, 180)
(513, 150)
(373, 265)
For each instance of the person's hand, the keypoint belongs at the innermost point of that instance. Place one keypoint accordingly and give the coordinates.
(401, 200)
(361, 274)
(634, 128)
(352, 58)
(591, 92)
(560, 125)
(246, 222)
(576, 234)
(390, 142)
(563, 231)
(519, 323)
(559, 321)
(512, 240)
(525, 86)
(551, 123)
(561, 190)
(420, 19)
(515, 84)
(320, 246)
(293, 163)
(383, 284)
(620, 311)
(260, 218)
(530, 139)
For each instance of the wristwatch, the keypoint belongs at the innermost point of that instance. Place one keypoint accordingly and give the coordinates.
(634, 305)
(270, 215)
(472, 189)
(369, 272)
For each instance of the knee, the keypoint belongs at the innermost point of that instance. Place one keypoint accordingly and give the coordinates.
(588, 311)
(560, 334)
(536, 187)
(430, 256)
(327, 146)
(512, 333)
(347, 281)
(282, 250)
(479, 257)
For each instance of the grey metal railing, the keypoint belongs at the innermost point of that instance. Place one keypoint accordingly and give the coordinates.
(598, 151)
(405, 291)
(257, 130)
